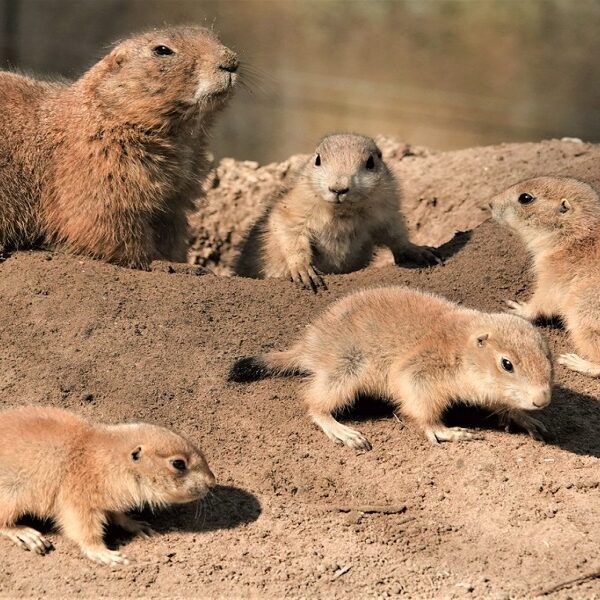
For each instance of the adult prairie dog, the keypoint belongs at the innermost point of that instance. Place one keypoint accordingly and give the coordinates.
(343, 204)
(558, 218)
(420, 351)
(54, 464)
(110, 165)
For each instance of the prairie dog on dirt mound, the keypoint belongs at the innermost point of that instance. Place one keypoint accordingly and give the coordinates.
(422, 352)
(342, 205)
(558, 218)
(54, 464)
(109, 165)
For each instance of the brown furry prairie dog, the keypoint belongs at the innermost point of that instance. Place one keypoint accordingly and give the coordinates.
(54, 464)
(420, 351)
(559, 220)
(109, 165)
(343, 204)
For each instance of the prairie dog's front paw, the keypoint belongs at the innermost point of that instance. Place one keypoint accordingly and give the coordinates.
(519, 309)
(307, 277)
(534, 427)
(451, 434)
(423, 256)
(104, 556)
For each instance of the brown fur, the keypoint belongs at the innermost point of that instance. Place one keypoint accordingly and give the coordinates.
(422, 352)
(109, 165)
(311, 229)
(561, 229)
(54, 464)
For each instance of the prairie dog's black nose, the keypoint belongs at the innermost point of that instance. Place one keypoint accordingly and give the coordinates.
(230, 64)
(339, 190)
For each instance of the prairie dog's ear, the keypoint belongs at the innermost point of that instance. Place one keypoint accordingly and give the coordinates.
(136, 454)
(481, 339)
(565, 206)
(115, 59)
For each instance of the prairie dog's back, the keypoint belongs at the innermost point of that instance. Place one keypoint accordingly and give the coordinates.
(382, 323)
(35, 447)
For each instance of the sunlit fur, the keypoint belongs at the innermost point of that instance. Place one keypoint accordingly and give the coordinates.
(561, 230)
(309, 226)
(109, 166)
(54, 464)
(421, 351)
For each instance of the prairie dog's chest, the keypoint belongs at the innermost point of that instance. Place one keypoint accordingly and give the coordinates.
(339, 243)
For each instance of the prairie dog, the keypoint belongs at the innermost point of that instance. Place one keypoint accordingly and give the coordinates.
(558, 218)
(54, 464)
(423, 353)
(342, 205)
(109, 165)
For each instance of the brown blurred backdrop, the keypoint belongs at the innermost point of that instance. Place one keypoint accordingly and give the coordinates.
(440, 73)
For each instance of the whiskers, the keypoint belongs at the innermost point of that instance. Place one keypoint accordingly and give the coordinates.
(256, 81)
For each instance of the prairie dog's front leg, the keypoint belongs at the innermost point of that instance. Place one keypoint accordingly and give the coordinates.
(86, 527)
(130, 525)
(395, 237)
(288, 253)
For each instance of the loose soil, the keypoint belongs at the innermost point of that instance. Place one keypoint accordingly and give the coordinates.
(295, 515)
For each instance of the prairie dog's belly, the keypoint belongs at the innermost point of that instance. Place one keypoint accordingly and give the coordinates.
(342, 249)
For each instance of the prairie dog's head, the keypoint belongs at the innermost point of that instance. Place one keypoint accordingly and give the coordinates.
(542, 208)
(509, 361)
(346, 168)
(165, 74)
(166, 467)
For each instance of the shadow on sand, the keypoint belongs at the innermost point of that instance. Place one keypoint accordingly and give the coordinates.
(572, 418)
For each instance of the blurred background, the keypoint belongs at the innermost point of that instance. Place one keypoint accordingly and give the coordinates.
(439, 73)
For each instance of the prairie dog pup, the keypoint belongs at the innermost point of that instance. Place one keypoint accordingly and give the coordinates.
(54, 464)
(109, 165)
(421, 351)
(342, 205)
(559, 220)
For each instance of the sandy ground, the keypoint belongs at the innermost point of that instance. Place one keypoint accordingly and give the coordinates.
(504, 517)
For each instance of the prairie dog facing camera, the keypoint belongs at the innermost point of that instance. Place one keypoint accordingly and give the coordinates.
(110, 165)
(558, 218)
(54, 464)
(341, 206)
(422, 352)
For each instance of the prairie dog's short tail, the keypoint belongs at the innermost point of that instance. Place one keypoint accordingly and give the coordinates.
(253, 368)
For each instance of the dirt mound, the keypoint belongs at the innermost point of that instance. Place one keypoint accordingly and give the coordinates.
(491, 518)
(442, 192)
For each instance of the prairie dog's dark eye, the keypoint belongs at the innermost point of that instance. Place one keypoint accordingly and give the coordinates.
(318, 161)
(162, 50)
(370, 163)
(179, 464)
(526, 198)
(507, 365)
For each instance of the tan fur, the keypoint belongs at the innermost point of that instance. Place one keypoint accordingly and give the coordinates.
(422, 352)
(109, 165)
(54, 464)
(315, 227)
(561, 229)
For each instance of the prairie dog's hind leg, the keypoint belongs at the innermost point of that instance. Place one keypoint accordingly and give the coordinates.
(540, 305)
(26, 537)
(323, 399)
(574, 362)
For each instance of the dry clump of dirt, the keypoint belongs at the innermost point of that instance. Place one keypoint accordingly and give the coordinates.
(441, 192)
(296, 516)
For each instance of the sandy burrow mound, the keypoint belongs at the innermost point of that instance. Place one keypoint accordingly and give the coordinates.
(441, 192)
(503, 517)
